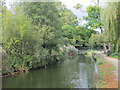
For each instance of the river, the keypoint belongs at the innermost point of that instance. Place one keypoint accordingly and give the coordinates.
(73, 72)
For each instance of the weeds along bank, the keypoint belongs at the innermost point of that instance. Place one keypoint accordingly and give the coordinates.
(26, 62)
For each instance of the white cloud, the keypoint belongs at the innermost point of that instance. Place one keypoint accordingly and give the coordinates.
(71, 3)
(8, 2)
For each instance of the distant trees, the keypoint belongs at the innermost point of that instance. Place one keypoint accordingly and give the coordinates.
(77, 35)
(93, 18)
(110, 37)
(106, 18)
(97, 40)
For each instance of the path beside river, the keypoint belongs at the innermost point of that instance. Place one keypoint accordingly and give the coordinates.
(114, 63)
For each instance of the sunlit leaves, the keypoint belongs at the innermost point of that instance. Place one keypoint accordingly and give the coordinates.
(93, 19)
(78, 6)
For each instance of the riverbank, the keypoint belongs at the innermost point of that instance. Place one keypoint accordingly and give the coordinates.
(12, 65)
(73, 72)
(30, 70)
(108, 70)
(107, 74)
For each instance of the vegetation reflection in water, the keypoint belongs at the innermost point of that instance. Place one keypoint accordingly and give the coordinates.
(74, 72)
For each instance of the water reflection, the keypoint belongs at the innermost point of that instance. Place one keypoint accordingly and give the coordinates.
(74, 72)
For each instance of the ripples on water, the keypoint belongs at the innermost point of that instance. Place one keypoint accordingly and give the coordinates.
(74, 72)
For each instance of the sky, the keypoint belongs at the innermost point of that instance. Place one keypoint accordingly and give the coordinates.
(71, 3)
(85, 3)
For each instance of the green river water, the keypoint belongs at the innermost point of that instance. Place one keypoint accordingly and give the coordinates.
(73, 72)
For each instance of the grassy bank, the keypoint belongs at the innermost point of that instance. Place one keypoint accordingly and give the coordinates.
(106, 77)
(115, 56)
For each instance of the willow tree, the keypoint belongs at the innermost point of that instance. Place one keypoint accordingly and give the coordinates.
(111, 19)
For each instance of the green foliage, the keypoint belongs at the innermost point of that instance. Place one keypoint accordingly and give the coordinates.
(115, 55)
(88, 36)
(85, 34)
(78, 6)
(97, 39)
(30, 44)
(34, 32)
(77, 35)
(18, 39)
(100, 61)
(68, 18)
(93, 19)
(110, 17)
(43, 13)
(47, 22)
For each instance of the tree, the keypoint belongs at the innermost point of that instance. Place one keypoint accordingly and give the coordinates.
(80, 7)
(46, 19)
(77, 35)
(97, 39)
(110, 18)
(67, 17)
(93, 19)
